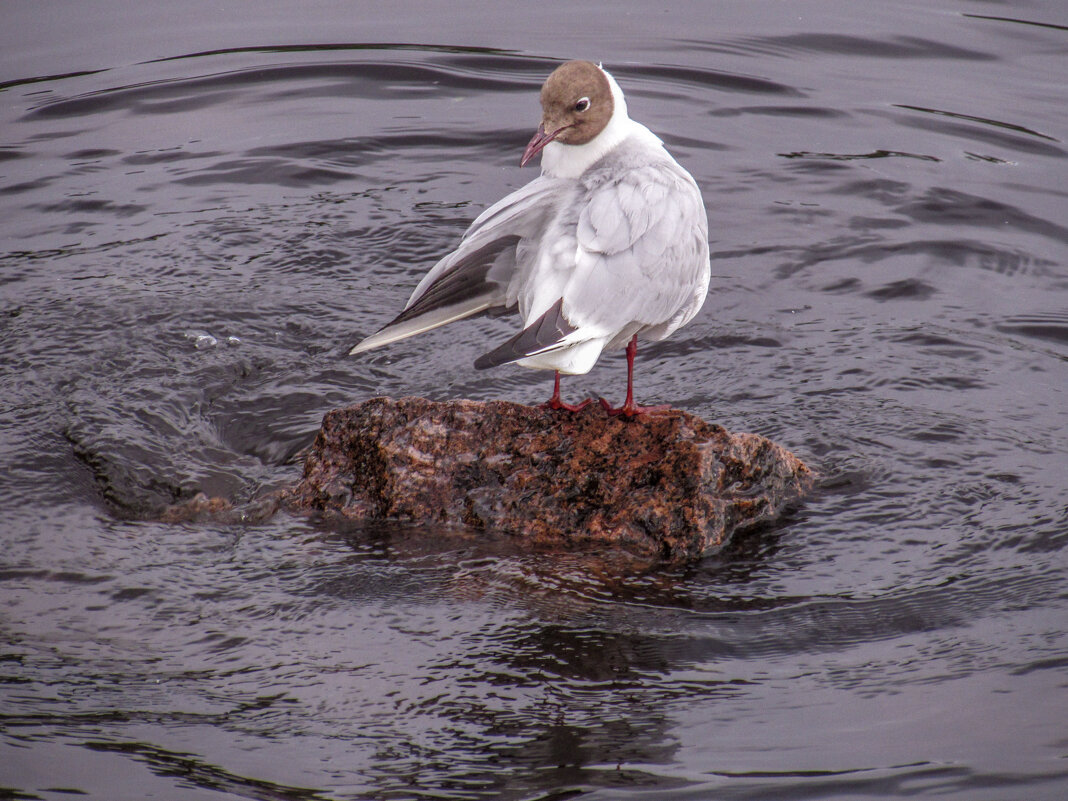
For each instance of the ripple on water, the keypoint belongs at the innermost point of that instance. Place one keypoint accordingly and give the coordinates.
(334, 81)
(1050, 327)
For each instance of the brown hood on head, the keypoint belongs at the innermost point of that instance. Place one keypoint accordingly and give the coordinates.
(576, 103)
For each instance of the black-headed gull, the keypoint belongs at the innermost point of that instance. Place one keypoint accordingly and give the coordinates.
(610, 242)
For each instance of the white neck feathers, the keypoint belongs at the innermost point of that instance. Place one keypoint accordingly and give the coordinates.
(570, 161)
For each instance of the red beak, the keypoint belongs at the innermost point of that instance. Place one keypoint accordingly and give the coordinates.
(540, 140)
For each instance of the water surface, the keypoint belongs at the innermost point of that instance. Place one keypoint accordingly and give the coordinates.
(202, 209)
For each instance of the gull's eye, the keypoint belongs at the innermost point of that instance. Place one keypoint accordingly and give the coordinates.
(582, 104)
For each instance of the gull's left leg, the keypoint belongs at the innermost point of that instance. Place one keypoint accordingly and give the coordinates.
(629, 407)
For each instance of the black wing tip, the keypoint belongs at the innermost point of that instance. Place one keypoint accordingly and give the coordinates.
(488, 360)
(541, 335)
(498, 356)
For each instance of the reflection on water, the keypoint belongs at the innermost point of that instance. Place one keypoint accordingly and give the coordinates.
(191, 243)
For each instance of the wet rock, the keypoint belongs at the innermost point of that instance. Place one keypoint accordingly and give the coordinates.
(202, 508)
(667, 485)
(199, 508)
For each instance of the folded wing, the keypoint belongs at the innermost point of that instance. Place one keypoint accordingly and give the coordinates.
(640, 264)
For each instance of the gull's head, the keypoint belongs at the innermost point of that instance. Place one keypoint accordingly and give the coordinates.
(577, 103)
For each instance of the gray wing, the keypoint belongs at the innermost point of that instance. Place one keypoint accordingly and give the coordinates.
(631, 256)
(484, 270)
(642, 260)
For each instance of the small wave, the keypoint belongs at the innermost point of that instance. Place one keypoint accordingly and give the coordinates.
(1050, 327)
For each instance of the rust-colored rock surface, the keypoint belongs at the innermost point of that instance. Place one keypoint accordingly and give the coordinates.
(666, 485)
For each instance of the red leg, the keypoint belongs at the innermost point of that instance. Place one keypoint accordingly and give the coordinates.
(555, 403)
(629, 407)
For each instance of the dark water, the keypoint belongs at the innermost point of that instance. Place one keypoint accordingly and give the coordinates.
(202, 206)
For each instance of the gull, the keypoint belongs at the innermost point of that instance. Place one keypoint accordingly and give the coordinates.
(609, 243)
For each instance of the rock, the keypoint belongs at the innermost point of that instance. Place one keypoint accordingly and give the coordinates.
(666, 485)
(198, 508)
(202, 508)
